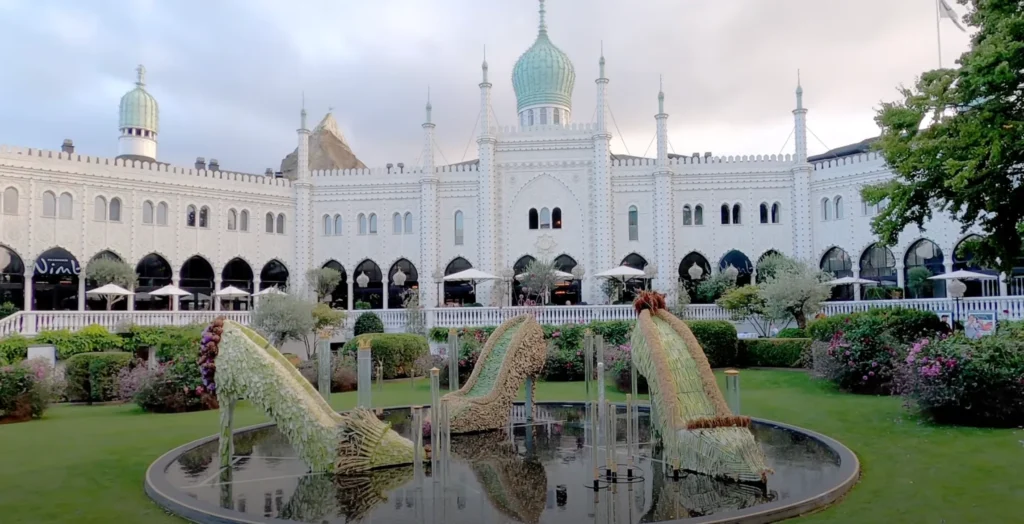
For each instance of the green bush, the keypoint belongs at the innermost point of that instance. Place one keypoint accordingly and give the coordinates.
(66, 342)
(773, 352)
(97, 338)
(719, 340)
(791, 333)
(909, 325)
(13, 349)
(92, 377)
(26, 389)
(7, 309)
(399, 351)
(368, 323)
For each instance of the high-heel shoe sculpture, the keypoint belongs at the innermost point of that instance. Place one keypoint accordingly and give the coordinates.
(237, 363)
(514, 352)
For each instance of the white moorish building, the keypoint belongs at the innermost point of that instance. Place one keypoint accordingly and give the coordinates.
(550, 187)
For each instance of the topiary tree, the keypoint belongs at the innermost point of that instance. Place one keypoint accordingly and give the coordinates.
(539, 278)
(796, 291)
(326, 322)
(284, 317)
(368, 323)
(104, 270)
(322, 281)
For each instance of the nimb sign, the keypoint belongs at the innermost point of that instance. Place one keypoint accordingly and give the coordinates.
(57, 265)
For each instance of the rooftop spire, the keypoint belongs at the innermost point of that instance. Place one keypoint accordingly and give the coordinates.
(429, 107)
(302, 114)
(141, 75)
(661, 94)
(600, 62)
(485, 64)
(799, 92)
(543, 25)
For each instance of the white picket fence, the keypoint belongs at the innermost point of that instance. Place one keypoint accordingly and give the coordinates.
(396, 320)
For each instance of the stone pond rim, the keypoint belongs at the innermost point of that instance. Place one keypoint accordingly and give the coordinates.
(176, 502)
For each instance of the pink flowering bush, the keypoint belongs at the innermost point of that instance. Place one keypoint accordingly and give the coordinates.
(174, 387)
(26, 390)
(970, 382)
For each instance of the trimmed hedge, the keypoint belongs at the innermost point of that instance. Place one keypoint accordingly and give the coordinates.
(92, 377)
(909, 324)
(368, 323)
(773, 352)
(719, 340)
(13, 349)
(399, 351)
(792, 333)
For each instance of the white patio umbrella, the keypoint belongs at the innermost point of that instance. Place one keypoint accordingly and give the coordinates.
(470, 275)
(963, 275)
(622, 273)
(171, 291)
(231, 292)
(272, 290)
(111, 292)
(845, 281)
(560, 275)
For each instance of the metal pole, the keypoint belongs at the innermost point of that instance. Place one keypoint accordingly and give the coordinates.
(529, 401)
(453, 360)
(732, 390)
(324, 368)
(588, 360)
(435, 409)
(364, 383)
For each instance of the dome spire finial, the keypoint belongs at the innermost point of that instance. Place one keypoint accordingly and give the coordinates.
(543, 25)
(140, 72)
(430, 108)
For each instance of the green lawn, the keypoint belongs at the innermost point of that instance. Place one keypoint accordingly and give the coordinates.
(85, 464)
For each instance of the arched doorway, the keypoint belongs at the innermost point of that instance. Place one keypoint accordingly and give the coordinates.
(237, 273)
(838, 262)
(519, 294)
(339, 297)
(458, 293)
(924, 260)
(12, 278)
(878, 263)
(407, 282)
(567, 292)
(744, 269)
(197, 278)
(369, 284)
(95, 303)
(963, 259)
(274, 274)
(55, 281)
(693, 269)
(154, 272)
(758, 277)
(635, 285)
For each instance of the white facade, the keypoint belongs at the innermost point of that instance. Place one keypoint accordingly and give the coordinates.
(609, 207)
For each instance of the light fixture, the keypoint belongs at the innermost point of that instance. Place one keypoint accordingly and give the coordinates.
(362, 280)
(651, 271)
(957, 289)
(399, 278)
(695, 271)
(578, 272)
(437, 275)
(732, 272)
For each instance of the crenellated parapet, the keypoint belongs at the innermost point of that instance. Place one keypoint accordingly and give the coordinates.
(862, 158)
(61, 162)
(512, 132)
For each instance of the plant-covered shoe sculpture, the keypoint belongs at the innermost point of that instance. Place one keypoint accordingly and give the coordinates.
(699, 433)
(237, 363)
(515, 351)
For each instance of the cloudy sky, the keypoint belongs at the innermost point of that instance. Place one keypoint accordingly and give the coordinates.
(229, 74)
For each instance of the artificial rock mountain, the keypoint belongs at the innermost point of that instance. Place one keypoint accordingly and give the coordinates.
(327, 150)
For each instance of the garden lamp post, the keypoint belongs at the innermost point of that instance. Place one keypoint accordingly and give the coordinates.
(508, 275)
(438, 276)
(650, 273)
(956, 290)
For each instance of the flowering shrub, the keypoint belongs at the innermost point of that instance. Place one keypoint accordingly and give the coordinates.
(26, 390)
(344, 376)
(399, 351)
(92, 377)
(174, 387)
(957, 380)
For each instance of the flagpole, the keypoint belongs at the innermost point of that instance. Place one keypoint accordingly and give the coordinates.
(938, 29)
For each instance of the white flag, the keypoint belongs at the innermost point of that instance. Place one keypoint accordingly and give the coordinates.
(945, 11)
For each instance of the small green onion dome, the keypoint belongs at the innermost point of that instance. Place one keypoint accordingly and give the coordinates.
(543, 75)
(139, 109)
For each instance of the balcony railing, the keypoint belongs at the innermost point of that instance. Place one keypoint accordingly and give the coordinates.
(397, 320)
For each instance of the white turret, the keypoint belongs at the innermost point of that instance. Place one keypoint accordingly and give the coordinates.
(488, 203)
(429, 239)
(803, 237)
(602, 239)
(139, 122)
(664, 216)
(303, 229)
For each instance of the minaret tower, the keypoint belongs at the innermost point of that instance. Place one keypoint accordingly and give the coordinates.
(139, 122)
(429, 239)
(303, 222)
(488, 241)
(663, 207)
(602, 245)
(803, 240)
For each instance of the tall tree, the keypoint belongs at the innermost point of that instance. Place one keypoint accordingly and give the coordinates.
(956, 140)
(539, 278)
(322, 281)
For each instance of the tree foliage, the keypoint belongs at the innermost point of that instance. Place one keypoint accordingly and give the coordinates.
(795, 290)
(955, 142)
(111, 271)
(539, 278)
(322, 281)
(284, 317)
(713, 287)
(746, 303)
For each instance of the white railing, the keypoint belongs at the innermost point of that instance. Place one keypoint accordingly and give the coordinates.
(396, 320)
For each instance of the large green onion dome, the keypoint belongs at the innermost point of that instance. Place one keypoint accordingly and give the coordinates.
(543, 75)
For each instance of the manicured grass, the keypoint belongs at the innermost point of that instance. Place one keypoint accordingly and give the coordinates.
(86, 464)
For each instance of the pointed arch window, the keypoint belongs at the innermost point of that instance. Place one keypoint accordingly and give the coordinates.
(147, 212)
(460, 227)
(396, 224)
(280, 224)
(232, 220)
(634, 223)
(190, 216)
(776, 213)
(408, 223)
(698, 215)
(11, 201)
(529, 115)
(161, 214)
(204, 217)
(534, 218)
(373, 223)
(556, 218)
(99, 209)
(243, 221)
(736, 216)
(839, 208)
(66, 205)
(764, 213)
(328, 223)
(826, 209)
(362, 224)
(687, 215)
(49, 204)
(545, 218)
(338, 230)
(269, 226)
(725, 214)
(115, 209)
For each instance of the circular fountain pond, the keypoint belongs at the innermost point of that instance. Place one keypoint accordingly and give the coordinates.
(529, 473)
